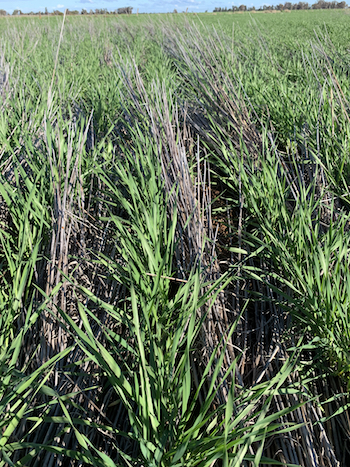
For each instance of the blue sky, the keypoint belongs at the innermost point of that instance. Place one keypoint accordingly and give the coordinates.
(144, 6)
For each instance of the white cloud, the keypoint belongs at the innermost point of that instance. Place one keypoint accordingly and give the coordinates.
(60, 6)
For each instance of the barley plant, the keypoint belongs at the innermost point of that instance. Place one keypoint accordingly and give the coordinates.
(174, 231)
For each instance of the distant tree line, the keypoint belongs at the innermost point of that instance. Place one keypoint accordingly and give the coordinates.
(103, 11)
(320, 5)
(99, 11)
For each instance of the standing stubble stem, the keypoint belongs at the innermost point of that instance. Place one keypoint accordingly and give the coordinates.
(49, 96)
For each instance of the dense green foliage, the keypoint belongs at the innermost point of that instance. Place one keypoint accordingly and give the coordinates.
(174, 228)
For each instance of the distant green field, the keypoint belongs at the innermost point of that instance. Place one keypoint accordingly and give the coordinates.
(286, 27)
(175, 240)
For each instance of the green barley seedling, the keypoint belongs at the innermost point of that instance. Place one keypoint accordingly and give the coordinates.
(149, 365)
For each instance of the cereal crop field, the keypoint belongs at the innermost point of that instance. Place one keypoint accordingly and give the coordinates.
(175, 240)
